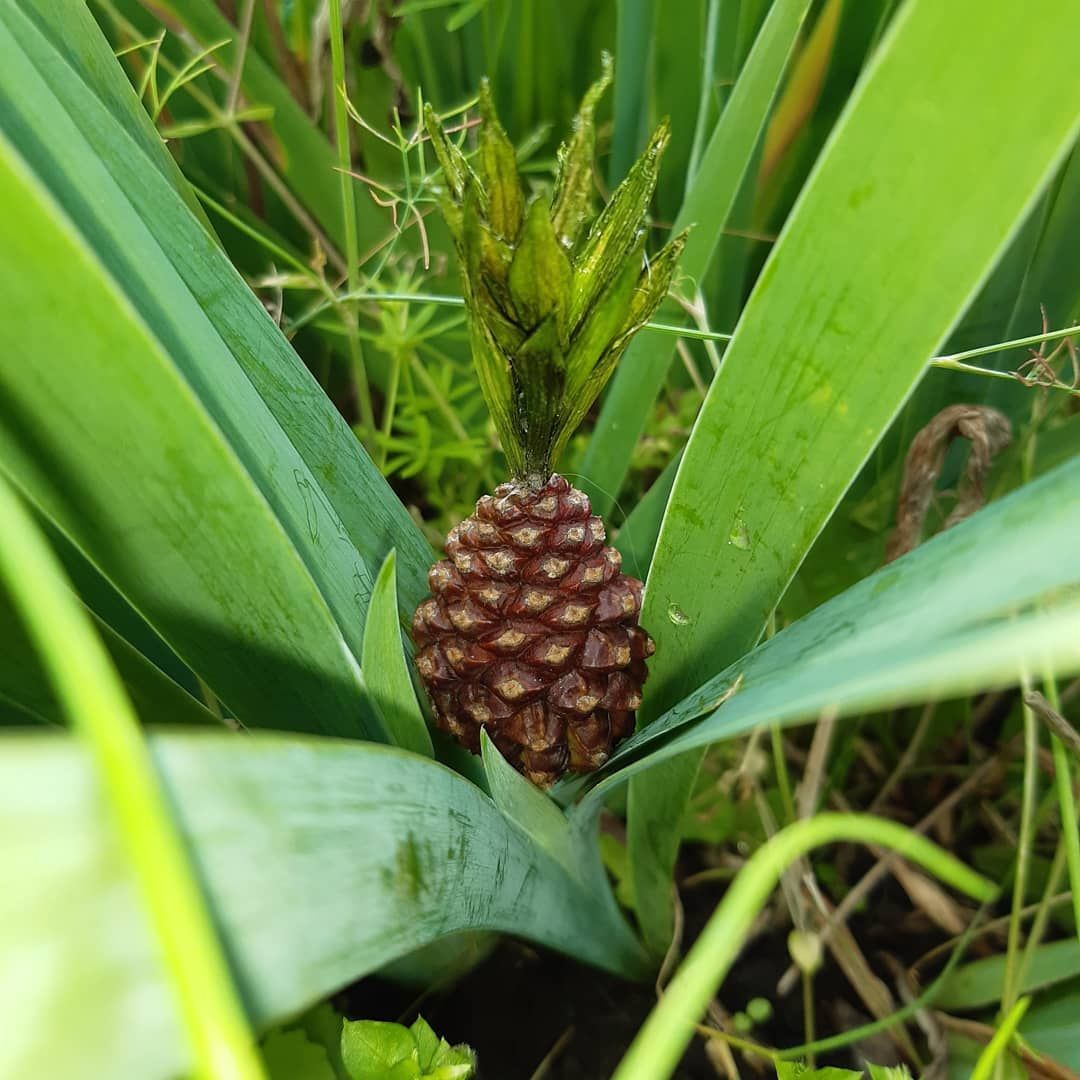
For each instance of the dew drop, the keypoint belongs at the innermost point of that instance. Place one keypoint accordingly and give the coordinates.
(739, 536)
(677, 615)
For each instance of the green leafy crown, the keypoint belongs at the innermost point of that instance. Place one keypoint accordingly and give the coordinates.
(554, 293)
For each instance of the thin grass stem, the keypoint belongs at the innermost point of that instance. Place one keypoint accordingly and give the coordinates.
(953, 362)
(989, 1058)
(246, 15)
(101, 713)
(348, 210)
(1023, 855)
(1042, 912)
(1063, 779)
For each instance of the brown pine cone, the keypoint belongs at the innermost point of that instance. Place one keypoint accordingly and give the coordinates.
(531, 632)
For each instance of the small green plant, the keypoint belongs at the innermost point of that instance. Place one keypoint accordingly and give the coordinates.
(219, 349)
(372, 1050)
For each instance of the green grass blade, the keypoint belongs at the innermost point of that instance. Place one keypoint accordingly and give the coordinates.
(385, 668)
(173, 518)
(323, 861)
(655, 1051)
(633, 48)
(642, 371)
(998, 1045)
(834, 337)
(977, 606)
(99, 711)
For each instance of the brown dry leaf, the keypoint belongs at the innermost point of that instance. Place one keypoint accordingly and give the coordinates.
(988, 431)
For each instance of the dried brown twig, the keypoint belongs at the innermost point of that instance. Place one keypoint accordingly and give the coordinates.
(988, 431)
(1053, 720)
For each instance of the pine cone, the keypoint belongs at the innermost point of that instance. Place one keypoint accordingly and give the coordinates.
(532, 632)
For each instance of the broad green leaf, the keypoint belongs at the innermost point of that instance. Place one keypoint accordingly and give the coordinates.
(173, 515)
(378, 1050)
(438, 1057)
(979, 984)
(708, 203)
(111, 609)
(200, 981)
(289, 1055)
(323, 860)
(975, 607)
(848, 305)
(342, 504)
(637, 535)
(1050, 1026)
(385, 668)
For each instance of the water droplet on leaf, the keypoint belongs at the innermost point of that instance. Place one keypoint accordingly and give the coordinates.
(739, 536)
(677, 615)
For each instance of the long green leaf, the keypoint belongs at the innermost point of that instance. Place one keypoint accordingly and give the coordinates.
(385, 668)
(633, 51)
(344, 503)
(708, 203)
(145, 481)
(887, 244)
(75, 35)
(322, 860)
(977, 606)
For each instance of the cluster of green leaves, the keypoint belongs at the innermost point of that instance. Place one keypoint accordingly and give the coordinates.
(321, 1046)
(551, 305)
(793, 1070)
(228, 535)
(373, 1050)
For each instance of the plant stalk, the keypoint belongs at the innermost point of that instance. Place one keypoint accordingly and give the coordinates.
(100, 712)
(348, 210)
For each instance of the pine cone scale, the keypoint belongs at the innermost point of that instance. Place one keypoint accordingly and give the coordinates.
(531, 632)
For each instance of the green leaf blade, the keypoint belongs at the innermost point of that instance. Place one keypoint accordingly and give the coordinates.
(56, 450)
(323, 861)
(856, 322)
(385, 667)
(707, 206)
